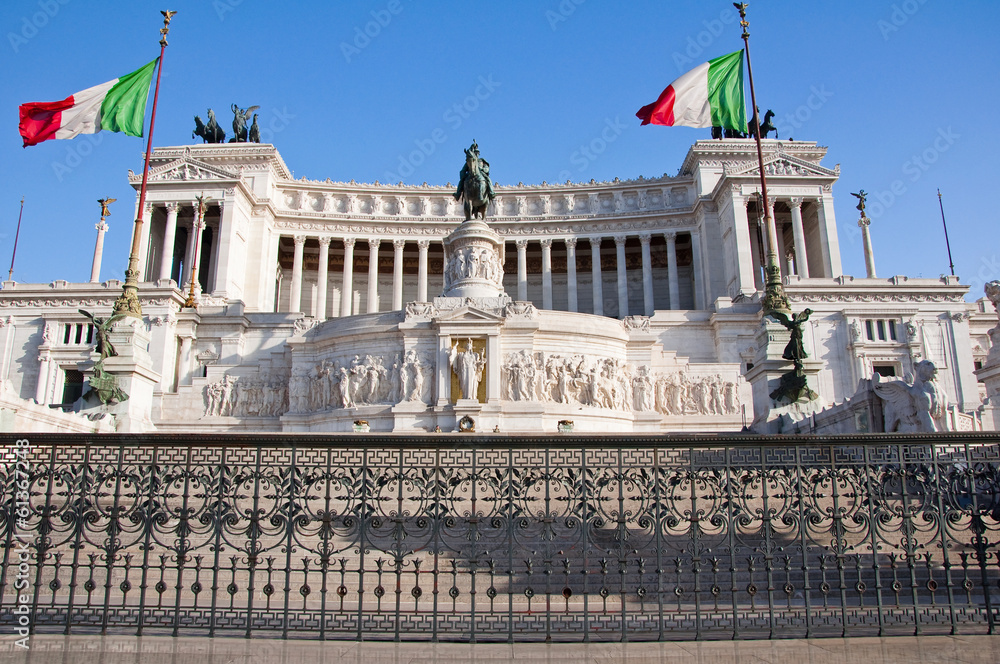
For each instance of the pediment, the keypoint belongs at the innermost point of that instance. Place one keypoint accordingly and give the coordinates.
(468, 314)
(186, 169)
(784, 165)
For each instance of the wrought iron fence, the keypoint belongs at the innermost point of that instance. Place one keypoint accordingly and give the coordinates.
(484, 538)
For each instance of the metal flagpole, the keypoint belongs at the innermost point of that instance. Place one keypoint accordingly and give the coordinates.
(774, 292)
(128, 302)
(951, 264)
(10, 275)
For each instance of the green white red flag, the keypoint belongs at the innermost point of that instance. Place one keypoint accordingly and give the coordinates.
(117, 105)
(710, 95)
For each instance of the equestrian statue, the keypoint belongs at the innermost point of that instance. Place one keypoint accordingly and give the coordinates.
(474, 184)
(210, 132)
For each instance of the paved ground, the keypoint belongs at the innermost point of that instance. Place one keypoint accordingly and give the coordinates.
(48, 649)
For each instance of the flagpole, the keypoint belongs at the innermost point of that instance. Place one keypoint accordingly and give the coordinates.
(10, 275)
(128, 302)
(774, 292)
(951, 263)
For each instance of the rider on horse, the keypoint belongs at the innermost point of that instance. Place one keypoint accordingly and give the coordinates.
(472, 155)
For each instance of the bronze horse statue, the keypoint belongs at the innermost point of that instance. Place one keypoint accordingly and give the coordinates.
(765, 128)
(474, 184)
(211, 132)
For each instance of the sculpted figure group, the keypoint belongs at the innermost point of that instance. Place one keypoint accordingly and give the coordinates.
(246, 396)
(360, 381)
(473, 263)
(613, 384)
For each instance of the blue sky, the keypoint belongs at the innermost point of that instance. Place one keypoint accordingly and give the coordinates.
(902, 93)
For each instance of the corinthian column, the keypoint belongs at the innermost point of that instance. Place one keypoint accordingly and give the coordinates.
(397, 274)
(322, 277)
(522, 270)
(295, 292)
(595, 272)
(95, 269)
(167, 261)
(799, 239)
(546, 274)
(647, 274)
(672, 278)
(373, 274)
(622, 282)
(347, 292)
(422, 246)
(571, 296)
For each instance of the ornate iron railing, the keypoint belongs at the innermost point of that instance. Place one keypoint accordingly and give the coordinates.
(485, 538)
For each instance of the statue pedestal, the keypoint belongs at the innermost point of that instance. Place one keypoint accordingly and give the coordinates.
(771, 417)
(133, 368)
(468, 408)
(473, 257)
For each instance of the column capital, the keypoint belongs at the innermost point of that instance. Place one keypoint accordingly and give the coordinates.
(324, 240)
(222, 206)
(595, 241)
(521, 244)
(620, 240)
(349, 242)
(299, 240)
(645, 238)
(374, 242)
(570, 243)
(423, 244)
(398, 243)
(670, 236)
(795, 202)
(101, 226)
(171, 207)
(546, 243)
(790, 254)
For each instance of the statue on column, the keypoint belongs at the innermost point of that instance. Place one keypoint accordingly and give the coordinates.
(240, 124)
(468, 366)
(474, 184)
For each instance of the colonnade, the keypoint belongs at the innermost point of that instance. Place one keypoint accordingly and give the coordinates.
(371, 247)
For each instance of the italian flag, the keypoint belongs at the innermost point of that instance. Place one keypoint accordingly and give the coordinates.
(710, 95)
(117, 105)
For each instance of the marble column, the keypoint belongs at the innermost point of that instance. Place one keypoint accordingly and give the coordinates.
(522, 270)
(323, 277)
(571, 295)
(622, 277)
(373, 275)
(696, 266)
(866, 239)
(397, 274)
(746, 276)
(147, 219)
(546, 273)
(95, 268)
(422, 246)
(347, 291)
(189, 253)
(595, 272)
(673, 281)
(295, 290)
(790, 265)
(799, 239)
(199, 228)
(647, 274)
(830, 247)
(167, 260)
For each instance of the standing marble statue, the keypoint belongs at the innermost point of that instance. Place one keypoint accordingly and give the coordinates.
(468, 366)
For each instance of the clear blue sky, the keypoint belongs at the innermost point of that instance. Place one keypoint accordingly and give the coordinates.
(902, 92)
